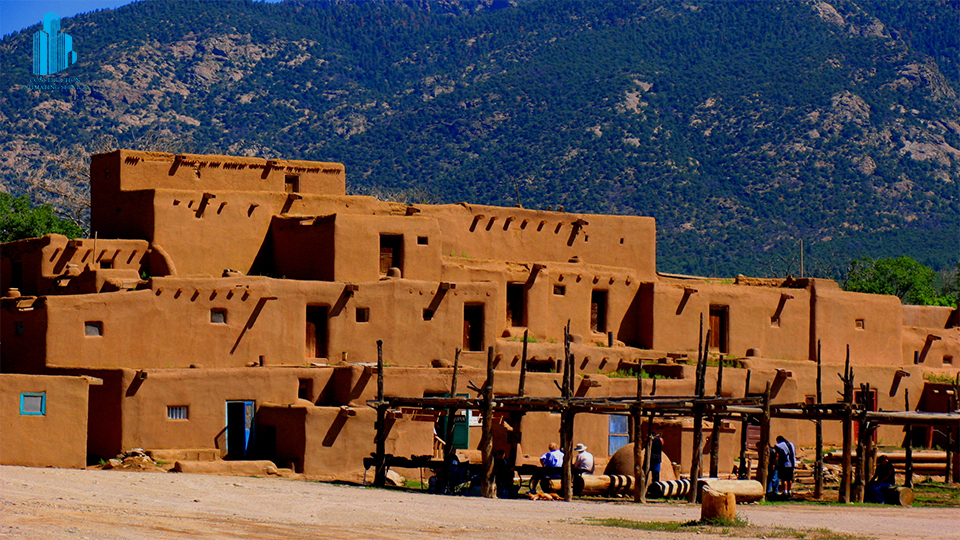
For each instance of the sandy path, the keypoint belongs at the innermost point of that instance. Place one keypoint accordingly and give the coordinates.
(71, 504)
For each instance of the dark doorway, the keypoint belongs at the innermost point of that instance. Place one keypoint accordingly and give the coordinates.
(473, 327)
(598, 311)
(239, 434)
(719, 328)
(516, 301)
(317, 317)
(391, 252)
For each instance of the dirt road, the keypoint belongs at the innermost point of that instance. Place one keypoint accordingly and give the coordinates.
(61, 504)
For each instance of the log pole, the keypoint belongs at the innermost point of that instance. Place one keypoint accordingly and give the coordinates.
(448, 449)
(488, 486)
(907, 444)
(380, 476)
(847, 427)
(715, 433)
(636, 414)
(818, 461)
(763, 448)
(744, 472)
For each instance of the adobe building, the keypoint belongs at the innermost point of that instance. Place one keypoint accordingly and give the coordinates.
(230, 306)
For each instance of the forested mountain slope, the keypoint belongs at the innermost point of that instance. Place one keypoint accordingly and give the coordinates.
(743, 127)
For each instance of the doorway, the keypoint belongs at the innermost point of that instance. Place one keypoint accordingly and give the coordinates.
(719, 328)
(239, 434)
(316, 338)
(598, 311)
(473, 327)
(391, 253)
(516, 299)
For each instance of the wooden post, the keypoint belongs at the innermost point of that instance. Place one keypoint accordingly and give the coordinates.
(488, 485)
(763, 448)
(949, 472)
(845, 492)
(744, 472)
(566, 419)
(907, 444)
(516, 419)
(818, 458)
(380, 476)
(696, 459)
(648, 448)
(715, 433)
(636, 414)
(861, 465)
(448, 449)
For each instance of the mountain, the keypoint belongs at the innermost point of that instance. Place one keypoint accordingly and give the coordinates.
(745, 128)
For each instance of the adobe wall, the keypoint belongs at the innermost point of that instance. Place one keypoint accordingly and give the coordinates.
(131, 170)
(556, 292)
(931, 336)
(205, 393)
(171, 326)
(871, 324)
(515, 234)
(772, 322)
(54, 264)
(346, 247)
(23, 331)
(57, 438)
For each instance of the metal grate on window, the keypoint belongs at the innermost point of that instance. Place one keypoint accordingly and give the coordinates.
(177, 412)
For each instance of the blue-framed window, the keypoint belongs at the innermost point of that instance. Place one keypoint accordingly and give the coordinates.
(33, 403)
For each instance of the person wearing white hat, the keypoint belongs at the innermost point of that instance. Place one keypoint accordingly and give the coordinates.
(584, 462)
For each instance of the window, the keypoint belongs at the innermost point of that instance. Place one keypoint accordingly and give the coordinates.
(427, 314)
(106, 264)
(559, 290)
(619, 433)
(291, 183)
(178, 412)
(305, 389)
(363, 314)
(947, 360)
(598, 311)
(422, 240)
(860, 324)
(218, 316)
(93, 328)
(33, 403)
(775, 321)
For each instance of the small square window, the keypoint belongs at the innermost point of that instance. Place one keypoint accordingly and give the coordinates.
(423, 240)
(363, 314)
(291, 183)
(775, 322)
(93, 328)
(947, 360)
(428, 314)
(106, 265)
(218, 316)
(860, 324)
(33, 403)
(560, 290)
(178, 412)
(18, 328)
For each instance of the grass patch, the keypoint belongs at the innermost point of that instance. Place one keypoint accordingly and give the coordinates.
(530, 339)
(939, 378)
(935, 494)
(736, 528)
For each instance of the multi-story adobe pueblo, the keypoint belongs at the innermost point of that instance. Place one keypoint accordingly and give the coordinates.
(230, 306)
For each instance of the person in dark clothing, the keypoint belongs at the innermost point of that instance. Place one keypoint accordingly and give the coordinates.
(883, 479)
(656, 457)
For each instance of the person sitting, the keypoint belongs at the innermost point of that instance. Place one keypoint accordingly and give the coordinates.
(584, 462)
(883, 479)
(552, 459)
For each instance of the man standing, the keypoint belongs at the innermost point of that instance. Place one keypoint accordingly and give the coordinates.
(584, 462)
(786, 461)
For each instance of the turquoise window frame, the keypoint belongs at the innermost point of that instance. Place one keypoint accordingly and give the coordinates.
(43, 403)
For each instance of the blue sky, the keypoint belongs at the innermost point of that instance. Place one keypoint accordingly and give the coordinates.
(19, 14)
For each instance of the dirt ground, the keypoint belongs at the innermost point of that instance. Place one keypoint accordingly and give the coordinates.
(60, 504)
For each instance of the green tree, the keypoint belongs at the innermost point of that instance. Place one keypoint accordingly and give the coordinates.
(19, 219)
(904, 277)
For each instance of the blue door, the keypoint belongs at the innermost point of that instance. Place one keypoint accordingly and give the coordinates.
(240, 429)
